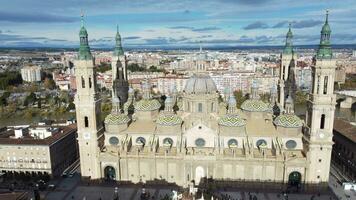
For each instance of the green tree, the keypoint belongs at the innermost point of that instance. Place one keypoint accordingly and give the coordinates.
(103, 67)
(30, 99)
(240, 98)
(49, 84)
(134, 67)
(71, 106)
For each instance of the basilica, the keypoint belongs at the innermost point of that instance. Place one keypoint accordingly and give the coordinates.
(197, 134)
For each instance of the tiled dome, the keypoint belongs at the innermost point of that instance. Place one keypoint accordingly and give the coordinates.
(165, 119)
(200, 84)
(147, 105)
(231, 120)
(288, 121)
(254, 105)
(116, 118)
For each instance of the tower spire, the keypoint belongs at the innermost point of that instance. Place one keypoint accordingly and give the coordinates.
(118, 51)
(288, 48)
(324, 50)
(84, 49)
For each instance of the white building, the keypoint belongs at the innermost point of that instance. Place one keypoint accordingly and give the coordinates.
(31, 73)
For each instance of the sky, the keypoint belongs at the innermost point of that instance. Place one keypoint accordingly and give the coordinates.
(174, 23)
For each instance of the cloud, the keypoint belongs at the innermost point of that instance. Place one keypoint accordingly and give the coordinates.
(181, 27)
(306, 23)
(34, 17)
(132, 38)
(202, 29)
(280, 24)
(205, 29)
(298, 24)
(256, 25)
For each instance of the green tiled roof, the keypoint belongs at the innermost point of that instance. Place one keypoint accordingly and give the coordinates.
(254, 105)
(116, 118)
(231, 120)
(288, 121)
(147, 105)
(168, 119)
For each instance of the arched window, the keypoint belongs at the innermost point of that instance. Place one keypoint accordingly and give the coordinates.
(200, 107)
(86, 122)
(325, 85)
(322, 121)
(83, 82)
(90, 82)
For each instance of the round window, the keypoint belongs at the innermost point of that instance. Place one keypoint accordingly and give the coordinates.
(114, 141)
(291, 144)
(232, 143)
(261, 143)
(167, 141)
(141, 140)
(200, 142)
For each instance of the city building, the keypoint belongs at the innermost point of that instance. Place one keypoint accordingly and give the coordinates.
(44, 150)
(196, 135)
(344, 148)
(31, 73)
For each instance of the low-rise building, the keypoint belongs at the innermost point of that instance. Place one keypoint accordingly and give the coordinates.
(344, 148)
(41, 150)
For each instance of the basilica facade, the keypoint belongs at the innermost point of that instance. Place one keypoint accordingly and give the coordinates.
(195, 134)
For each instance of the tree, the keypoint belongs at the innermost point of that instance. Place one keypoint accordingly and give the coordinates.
(103, 67)
(49, 84)
(30, 99)
(71, 106)
(240, 98)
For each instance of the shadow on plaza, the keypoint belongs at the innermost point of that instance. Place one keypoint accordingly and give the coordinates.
(208, 185)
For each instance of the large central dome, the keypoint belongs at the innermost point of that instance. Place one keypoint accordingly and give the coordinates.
(200, 84)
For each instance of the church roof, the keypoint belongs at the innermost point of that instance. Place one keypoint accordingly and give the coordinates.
(119, 118)
(288, 121)
(231, 120)
(254, 105)
(147, 105)
(168, 119)
(200, 84)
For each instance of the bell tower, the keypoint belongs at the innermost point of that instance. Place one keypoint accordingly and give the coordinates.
(320, 113)
(286, 61)
(88, 111)
(119, 71)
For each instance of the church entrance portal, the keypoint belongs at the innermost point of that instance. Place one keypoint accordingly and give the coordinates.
(294, 179)
(199, 174)
(110, 173)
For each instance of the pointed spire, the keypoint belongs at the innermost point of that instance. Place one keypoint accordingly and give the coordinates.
(273, 93)
(327, 17)
(231, 104)
(84, 49)
(288, 48)
(289, 105)
(118, 51)
(168, 107)
(324, 51)
(116, 108)
(254, 89)
(146, 88)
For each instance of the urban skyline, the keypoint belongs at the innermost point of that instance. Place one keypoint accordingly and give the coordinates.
(172, 24)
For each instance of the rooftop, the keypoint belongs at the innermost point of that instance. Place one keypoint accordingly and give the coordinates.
(6, 137)
(345, 128)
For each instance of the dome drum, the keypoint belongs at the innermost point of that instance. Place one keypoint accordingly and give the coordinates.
(200, 84)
